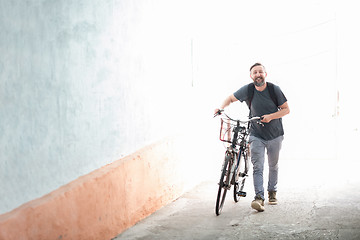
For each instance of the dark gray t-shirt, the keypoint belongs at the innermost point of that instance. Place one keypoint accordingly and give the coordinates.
(262, 104)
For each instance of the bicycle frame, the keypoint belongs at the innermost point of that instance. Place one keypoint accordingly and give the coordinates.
(236, 149)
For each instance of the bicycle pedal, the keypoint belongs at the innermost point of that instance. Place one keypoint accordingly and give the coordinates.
(241, 193)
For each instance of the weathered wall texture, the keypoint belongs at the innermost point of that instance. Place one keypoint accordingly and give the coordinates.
(84, 84)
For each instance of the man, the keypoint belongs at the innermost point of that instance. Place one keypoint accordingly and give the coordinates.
(266, 100)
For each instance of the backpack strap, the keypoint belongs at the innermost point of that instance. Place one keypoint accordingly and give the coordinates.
(250, 89)
(272, 93)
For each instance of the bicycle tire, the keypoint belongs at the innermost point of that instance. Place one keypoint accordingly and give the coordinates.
(240, 176)
(224, 181)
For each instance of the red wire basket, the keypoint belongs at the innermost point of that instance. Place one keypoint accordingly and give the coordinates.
(226, 130)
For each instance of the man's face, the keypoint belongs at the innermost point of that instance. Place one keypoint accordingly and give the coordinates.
(258, 75)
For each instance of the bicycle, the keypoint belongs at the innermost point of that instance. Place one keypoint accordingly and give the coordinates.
(236, 162)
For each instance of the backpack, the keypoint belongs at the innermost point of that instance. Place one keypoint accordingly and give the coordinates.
(251, 88)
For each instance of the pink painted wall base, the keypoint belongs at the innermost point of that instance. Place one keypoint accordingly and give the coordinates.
(104, 203)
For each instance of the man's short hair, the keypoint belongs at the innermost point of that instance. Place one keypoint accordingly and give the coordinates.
(257, 64)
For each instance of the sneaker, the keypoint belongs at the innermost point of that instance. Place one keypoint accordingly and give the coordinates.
(272, 198)
(258, 204)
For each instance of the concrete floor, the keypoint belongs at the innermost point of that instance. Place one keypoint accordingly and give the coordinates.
(317, 200)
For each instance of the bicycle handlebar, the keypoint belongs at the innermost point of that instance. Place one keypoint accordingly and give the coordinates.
(221, 111)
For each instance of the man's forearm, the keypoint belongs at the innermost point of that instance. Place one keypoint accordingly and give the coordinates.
(230, 99)
(284, 109)
(279, 114)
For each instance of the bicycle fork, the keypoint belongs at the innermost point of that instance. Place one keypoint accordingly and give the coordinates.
(231, 169)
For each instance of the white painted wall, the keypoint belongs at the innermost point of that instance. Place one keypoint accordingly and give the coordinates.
(82, 85)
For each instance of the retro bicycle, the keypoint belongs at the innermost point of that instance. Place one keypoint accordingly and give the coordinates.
(236, 162)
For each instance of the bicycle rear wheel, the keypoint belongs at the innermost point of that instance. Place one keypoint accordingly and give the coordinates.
(240, 177)
(224, 184)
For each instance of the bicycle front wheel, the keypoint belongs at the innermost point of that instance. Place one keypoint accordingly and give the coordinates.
(224, 184)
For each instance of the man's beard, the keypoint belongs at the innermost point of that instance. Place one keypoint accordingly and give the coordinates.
(259, 82)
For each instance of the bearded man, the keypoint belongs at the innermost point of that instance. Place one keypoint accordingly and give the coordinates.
(266, 100)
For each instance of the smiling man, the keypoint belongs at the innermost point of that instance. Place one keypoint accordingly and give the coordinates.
(268, 101)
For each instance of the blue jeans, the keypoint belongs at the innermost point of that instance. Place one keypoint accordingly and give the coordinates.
(257, 151)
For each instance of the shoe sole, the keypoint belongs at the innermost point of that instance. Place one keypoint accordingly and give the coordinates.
(257, 206)
(272, 203)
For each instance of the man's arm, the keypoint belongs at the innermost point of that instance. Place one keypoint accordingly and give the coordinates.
(284, 109)
(230, 99)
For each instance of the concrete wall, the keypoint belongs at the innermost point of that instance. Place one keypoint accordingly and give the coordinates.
(94, 106)
(82, 85)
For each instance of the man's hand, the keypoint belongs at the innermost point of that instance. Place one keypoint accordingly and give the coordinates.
(266, 118)
(217, 112)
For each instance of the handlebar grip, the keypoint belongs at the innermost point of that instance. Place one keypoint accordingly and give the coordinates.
(218, 112)
(262, 124)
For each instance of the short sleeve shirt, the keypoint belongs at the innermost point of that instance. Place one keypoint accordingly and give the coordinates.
(262, 104)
